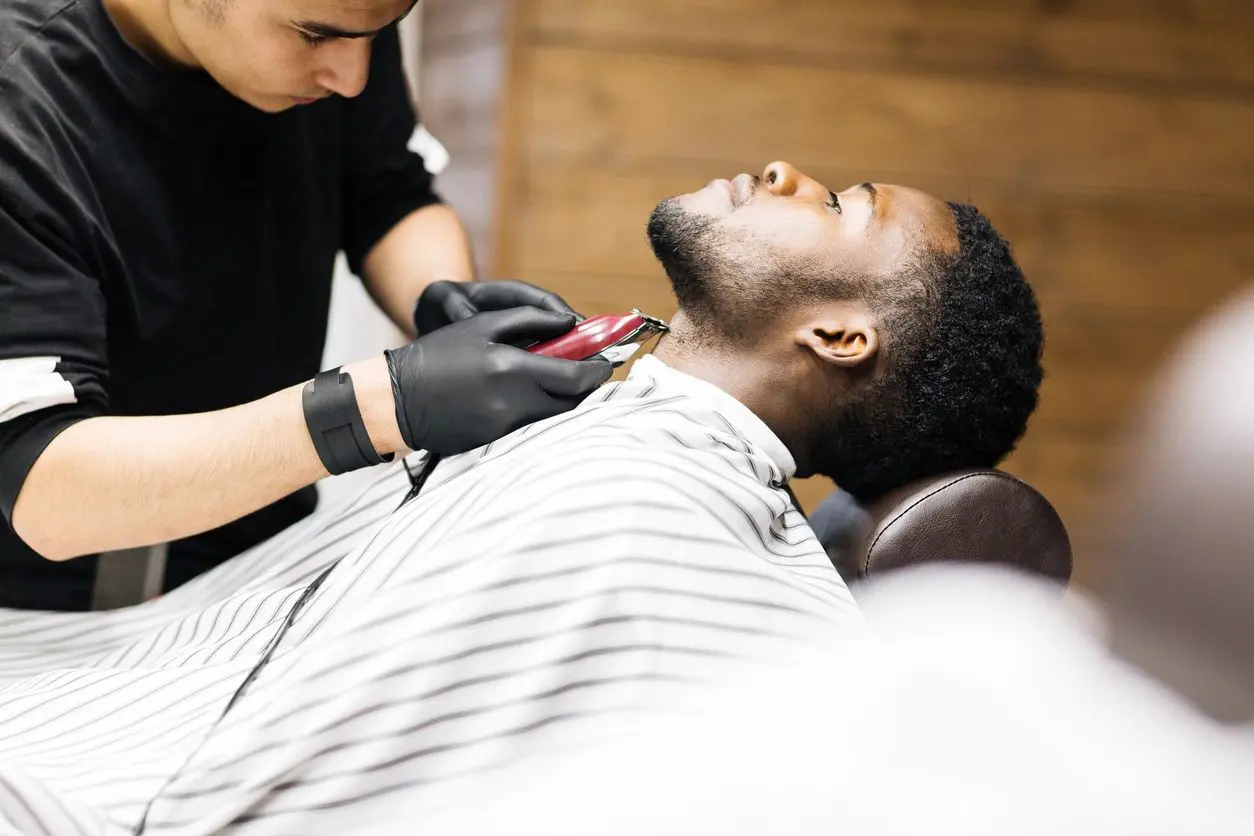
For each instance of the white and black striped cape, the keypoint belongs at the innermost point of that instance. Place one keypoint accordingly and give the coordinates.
(361, 669)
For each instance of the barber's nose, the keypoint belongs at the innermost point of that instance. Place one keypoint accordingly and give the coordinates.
(346, 68)
(785, 181)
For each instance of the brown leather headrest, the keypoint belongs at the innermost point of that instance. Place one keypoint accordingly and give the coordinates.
(983, 516)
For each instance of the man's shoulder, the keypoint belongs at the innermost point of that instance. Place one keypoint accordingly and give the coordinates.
(52, 89)
(43, 50)
(26, 23)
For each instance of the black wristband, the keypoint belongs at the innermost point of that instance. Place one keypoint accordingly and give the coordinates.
(335, 425)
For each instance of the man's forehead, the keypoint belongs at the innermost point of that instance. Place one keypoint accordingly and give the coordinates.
(358, 14)
(916, 209)
(334, 7)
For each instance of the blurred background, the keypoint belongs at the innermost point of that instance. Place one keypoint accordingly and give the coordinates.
(1109, 140)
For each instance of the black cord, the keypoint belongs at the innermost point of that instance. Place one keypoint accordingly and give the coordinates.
(248, 680)
(417, 481)
(795, 502)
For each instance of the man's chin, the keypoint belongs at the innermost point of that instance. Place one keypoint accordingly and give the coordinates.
(266, 102)
(665, 224)
(276, 104)
(676, 225)
(679, 239)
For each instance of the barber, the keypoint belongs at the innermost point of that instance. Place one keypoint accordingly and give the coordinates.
(176, 180)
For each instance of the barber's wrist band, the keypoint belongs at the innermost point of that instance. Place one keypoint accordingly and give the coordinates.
(335, 424)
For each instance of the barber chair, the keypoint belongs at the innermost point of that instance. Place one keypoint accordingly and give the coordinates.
(971, 516)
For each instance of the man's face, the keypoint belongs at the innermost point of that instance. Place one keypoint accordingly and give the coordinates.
(739, 245)
(278, 54)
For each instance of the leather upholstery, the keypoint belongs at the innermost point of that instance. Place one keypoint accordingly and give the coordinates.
(984, 516)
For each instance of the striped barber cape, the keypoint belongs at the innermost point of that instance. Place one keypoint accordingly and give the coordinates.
(367, 667)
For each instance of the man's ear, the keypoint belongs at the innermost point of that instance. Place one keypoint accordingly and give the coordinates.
(847, 340)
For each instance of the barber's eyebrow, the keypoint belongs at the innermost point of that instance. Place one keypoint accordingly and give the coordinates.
(327, 30)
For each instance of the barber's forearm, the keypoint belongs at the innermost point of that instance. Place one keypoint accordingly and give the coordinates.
(112, 483)
(428, 245)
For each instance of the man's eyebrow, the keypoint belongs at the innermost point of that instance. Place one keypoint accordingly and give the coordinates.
(327, 30)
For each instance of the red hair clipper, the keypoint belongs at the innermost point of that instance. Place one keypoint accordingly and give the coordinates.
(613, 337)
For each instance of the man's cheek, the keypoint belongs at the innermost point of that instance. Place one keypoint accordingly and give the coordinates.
(776, 236)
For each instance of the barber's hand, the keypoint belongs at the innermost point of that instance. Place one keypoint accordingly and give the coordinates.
(464, 385)
(445, 302)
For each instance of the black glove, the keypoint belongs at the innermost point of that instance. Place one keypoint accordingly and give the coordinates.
(464, 386)
(445, 302)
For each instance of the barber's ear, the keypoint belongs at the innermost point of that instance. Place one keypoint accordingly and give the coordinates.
(848, 341)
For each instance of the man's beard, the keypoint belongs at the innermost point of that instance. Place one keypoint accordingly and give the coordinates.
(726, 281)
(715, 280)
(684, 243)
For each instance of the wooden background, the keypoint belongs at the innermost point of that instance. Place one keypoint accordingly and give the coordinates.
(1110, 140)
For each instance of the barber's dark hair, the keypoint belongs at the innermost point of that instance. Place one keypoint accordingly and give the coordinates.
(963, 372)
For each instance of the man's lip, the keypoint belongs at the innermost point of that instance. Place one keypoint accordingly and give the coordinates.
(303, 100)
(742, 189)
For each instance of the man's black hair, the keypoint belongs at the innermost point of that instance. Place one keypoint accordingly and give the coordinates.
(962, 377)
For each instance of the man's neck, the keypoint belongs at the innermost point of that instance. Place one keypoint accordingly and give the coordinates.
(752, 380)
(146, 26)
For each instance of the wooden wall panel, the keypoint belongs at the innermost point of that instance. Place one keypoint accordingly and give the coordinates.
(611, 111)
(1184, 45)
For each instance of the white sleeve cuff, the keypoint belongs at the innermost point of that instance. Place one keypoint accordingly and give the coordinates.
(28, 384)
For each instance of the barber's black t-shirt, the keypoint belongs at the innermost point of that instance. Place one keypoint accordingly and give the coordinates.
(166, 249)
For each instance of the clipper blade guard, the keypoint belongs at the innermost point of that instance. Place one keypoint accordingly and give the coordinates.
(612, 337)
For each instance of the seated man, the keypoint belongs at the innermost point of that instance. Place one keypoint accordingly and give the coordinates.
(1127, 712)
(360, 669)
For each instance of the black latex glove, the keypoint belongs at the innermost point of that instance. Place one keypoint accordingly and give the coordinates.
(445, 302)
(464, 385)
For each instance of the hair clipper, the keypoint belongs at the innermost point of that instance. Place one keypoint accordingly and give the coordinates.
(615, 338)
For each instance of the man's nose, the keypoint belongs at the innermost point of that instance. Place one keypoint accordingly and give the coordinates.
(784, 180)
(346, 66)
